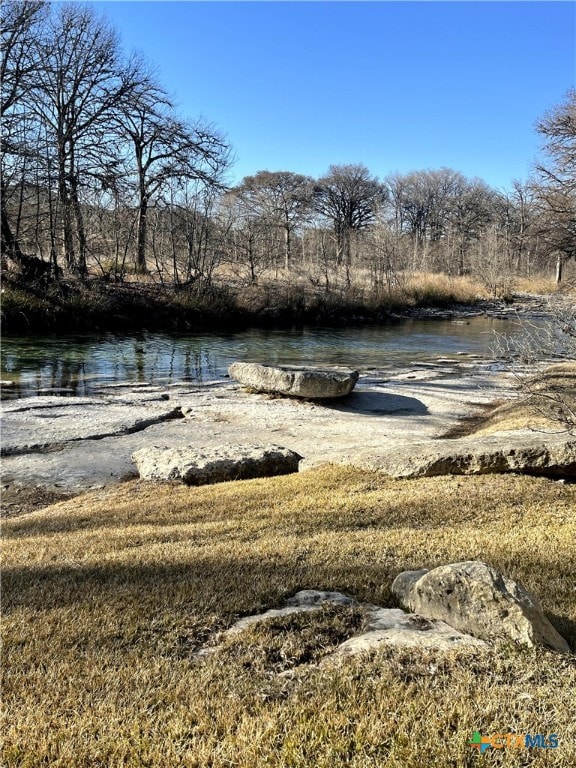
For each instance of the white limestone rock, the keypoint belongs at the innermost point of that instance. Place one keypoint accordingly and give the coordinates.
(521, 453)
(308, 383)
(200, 466)
(475, 599)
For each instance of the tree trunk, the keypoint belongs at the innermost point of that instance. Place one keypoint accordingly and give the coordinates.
(348, 249)
(32, 268)
(287, 245)
(559, 265)
(339, 245)
(287, 240)
(81, 261)
(67, 231)
(141, 236)
(10, 245)
(251, 259)
(52, 227)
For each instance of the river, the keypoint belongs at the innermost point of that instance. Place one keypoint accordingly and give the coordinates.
(82, 365)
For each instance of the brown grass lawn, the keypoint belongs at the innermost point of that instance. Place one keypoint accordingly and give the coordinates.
(108, 597)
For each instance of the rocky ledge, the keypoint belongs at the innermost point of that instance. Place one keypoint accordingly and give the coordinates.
(202, 466)
(390, 422)
(522, 452)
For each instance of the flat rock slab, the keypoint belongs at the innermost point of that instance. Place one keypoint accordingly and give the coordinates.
(307, 383)
(393, 626)
(43, 423)
(197, 466)
(384, 411)
(476, 599)
(523, 452)
(384, 626)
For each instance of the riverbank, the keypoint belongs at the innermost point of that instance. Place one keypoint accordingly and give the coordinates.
(74, 415)
(71, 444)
(98, 306)
(109, 596)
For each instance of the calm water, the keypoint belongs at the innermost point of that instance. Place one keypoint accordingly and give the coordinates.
(82, 364)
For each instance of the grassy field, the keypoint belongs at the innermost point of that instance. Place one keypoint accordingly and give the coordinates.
(108, 597)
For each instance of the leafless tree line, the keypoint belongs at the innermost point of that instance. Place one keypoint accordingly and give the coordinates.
(101, 175)
(90, 141)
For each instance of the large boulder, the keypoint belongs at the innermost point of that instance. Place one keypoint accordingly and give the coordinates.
(200, 466)
(522, 453)
(309, 383)
(477, 600)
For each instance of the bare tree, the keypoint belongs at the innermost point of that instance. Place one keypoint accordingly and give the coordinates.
(416, 200)
(19, 66)
(470, 212)
(83, 78)
(543, 358)
(348, 196)
(164, 148)
(283, 198)
(489, 261)
(555, 189)
(251, 235)
(442, 212)
(200, 235)
(515, 212)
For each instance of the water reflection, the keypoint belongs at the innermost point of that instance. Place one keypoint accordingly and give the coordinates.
(80, 365)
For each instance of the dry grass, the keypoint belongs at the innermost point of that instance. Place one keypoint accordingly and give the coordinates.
(409, 288)
(546, 283)
(463, 289)
(538, 284)
(296, 295)
(107, 598)
(549, 405)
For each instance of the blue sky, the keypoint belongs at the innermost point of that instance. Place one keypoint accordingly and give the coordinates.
(397, 86)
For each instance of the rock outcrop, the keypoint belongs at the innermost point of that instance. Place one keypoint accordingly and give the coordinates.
(524, 453)
(308, 383)
(392, 626)
(196, 466)
(36, 424)
(383, 626)
(453, 607)
(475, 599)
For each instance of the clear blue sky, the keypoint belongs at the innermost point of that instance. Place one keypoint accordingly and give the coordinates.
(397, 86)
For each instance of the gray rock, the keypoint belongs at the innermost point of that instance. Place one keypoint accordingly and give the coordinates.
(523, 453)
(384, 626)
(392, 626)
(310, 383)
(476, 599)
(404, 582)
(302, 602)
(44, 423)
(316, 597)
(197, 466)
(248, 621)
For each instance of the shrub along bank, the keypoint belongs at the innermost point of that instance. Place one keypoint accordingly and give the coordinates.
(100, 306)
